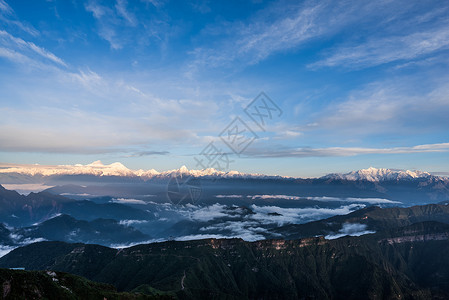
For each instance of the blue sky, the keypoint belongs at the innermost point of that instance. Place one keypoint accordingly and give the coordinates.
(151, 83)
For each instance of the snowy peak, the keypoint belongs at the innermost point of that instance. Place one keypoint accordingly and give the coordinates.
(97, 168)
(377, 175)
(183, 169)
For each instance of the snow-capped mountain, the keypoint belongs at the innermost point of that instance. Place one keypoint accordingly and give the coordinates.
(377, 175)
(97, 168)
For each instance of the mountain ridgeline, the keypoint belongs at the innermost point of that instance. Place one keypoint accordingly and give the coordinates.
(97, 179)
(20, 210)
(352, 249)
(403, 263)
(18, 284)
(372, 218)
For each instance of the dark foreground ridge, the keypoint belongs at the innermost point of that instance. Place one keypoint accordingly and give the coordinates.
(404, 263)
(17, 284)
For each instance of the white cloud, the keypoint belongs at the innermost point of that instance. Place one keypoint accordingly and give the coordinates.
(238, 223)
(351, 229)
(298, 215)
(373, 200)
(6, 249)
(326, 199)
(208, 213)
(246, 230)
(250, 237)
(127, 245)
(286, 197)
(128, 201)
(349, 151)
(132, 222)
(200, 237)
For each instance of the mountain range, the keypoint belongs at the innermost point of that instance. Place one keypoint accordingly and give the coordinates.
(292, 246)
(244, 213)
(21, 210)
(18, 284)
(97, 168)
(399, 263)
(68, 229)
(377, 175)
(97, 180)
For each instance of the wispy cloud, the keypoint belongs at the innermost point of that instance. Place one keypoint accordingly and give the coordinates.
(382, 50)
(285, 26)
(156, 3)
(8, 16)
(122, 24)
(5, 8)
(148, 153)
(269, 32)
(348, 151)
(107, 21)
(71, 130)
(89, 79)
(389, 107)
(15, 44)
(325, 199)
(121, 7)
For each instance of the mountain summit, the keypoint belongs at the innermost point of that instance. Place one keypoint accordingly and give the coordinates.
(377, 175)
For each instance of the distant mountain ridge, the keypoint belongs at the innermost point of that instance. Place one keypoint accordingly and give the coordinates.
(377, 175)
(20, 210)
(19, 284)
(97, 168)
(385, 265)
(371, 218)
(68, 229)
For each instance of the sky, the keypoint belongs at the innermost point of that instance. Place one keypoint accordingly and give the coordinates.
(159, 84)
